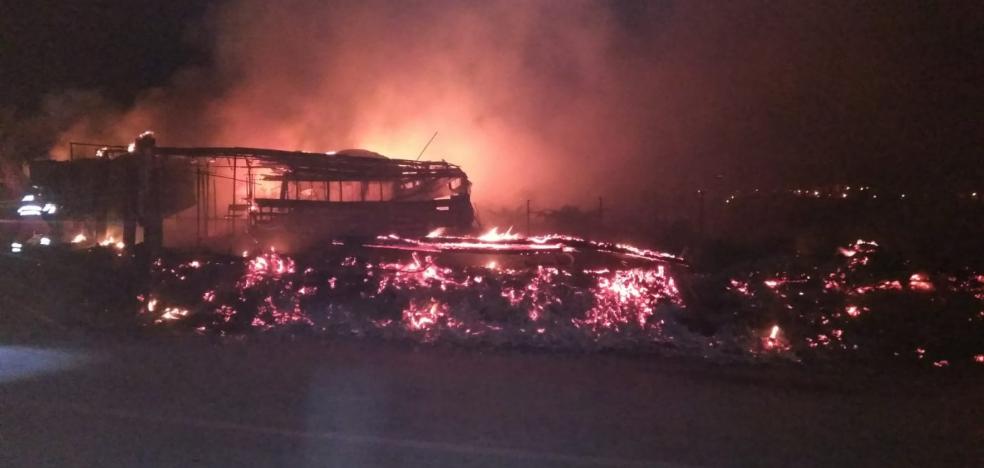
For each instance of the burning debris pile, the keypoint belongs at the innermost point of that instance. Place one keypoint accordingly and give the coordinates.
(425, 295)
(863, 303)
(549, 292)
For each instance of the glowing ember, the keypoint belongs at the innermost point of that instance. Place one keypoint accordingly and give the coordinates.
(423, 317)
(420, 298)
(920, 282)
(172, 313)
(264, 266)
(772, 342)
(419, 289)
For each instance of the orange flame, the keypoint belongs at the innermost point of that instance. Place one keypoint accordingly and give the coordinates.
(493, 235)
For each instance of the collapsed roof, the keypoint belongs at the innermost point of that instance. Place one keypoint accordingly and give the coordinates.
(349, 165)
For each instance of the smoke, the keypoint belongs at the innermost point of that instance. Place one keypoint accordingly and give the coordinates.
(559, 101)
(532, 99)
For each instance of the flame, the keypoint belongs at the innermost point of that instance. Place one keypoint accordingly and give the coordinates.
(493, 235)
(80, 237)
(435, 233)
(111, 241)
(773, 343)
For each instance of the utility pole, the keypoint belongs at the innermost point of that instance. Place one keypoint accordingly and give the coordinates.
(528, 232)
(700, 214)
(151, 214)
(426, 146)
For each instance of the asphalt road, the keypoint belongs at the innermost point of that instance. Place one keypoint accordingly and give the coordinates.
(194, 403)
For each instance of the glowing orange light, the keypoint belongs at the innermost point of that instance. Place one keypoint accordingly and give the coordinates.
(172, 313)
(920, 282)
(493, 235)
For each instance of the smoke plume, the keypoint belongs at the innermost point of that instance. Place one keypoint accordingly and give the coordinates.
(532, 99)
(560, 101)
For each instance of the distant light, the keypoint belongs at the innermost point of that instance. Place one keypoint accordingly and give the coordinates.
(16, 247)
(45, 241)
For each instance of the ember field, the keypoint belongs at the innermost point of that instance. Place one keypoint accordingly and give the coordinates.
(858, 304)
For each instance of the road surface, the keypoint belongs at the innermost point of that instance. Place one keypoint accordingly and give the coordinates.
(189, 402)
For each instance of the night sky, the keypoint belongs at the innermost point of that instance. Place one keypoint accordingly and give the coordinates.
(758, 92)
(118, 47)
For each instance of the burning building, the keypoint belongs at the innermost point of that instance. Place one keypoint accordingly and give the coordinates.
(204, 193)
